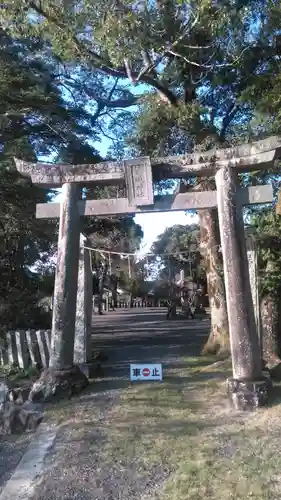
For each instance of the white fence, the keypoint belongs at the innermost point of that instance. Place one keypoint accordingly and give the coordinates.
(26, 348)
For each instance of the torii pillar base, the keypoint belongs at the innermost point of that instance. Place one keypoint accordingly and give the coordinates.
(248, 395)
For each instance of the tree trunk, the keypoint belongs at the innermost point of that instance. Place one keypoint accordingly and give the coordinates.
(218, 341)
(270, 329)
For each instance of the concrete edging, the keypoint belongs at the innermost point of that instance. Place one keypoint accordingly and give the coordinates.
(21, 485)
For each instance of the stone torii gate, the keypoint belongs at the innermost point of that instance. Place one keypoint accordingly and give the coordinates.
(247, 387)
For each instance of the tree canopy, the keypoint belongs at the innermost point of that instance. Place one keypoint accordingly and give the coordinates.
(177, 249)
(36, 120)
(200, 66)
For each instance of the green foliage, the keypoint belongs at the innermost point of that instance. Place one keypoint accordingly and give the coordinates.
(267, 230)
(120, 235)
(23, 242)
(163, 130)
(203, 64)
(177, 249)
(13, 372)
(34, 120)
(135, 284)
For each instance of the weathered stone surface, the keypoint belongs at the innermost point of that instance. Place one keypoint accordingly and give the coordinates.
(19, 418)
(181, 201)
(30, 419)
(19, 394)
(240, 151)
(55, 175)
(65, 294)
(58, 383)
(48, 334)
(22, 350)
(84, 306)
(252, 257)
(187, 165)
(33, 349)
(12, 348)
(31, 406)
(250, 156)
(270, 328)
(248, 395)
(139, 185)
(4, 360)
(9, 423)
(244, 341)
(4, 391)
(43, 347)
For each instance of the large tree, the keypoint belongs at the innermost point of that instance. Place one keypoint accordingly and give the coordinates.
(34, 120)
(199, 63)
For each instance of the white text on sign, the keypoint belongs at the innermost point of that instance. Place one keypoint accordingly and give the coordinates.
(146, 372)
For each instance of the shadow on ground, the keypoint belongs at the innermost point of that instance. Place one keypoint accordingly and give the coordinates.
(12, 449)
(146, 336)
(125, 444)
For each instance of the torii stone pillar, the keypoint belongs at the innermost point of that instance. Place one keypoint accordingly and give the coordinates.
(252, 258)
(247, 388)
(84, 307)
(64, 307)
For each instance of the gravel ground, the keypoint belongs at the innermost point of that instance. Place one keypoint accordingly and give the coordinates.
(12, 449)
(79, 467)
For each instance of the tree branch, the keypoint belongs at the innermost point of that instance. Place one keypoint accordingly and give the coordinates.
(69, 90)
(135, 77)
(102, 102)
(231, 112)
(206, 65)
(108, 69)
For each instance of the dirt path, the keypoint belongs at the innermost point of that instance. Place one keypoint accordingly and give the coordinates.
(169, 440)
(144, 336)
(88, 460)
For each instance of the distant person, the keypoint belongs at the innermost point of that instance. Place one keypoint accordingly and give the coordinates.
(172, 309)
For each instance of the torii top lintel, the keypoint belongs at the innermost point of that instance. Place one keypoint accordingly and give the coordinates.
(253, 156)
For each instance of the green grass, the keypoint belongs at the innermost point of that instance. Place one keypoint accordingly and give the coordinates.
(185, 424)
(14, 373)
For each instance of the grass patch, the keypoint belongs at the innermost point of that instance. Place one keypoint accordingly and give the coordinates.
(184, 426)
(14, 373)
